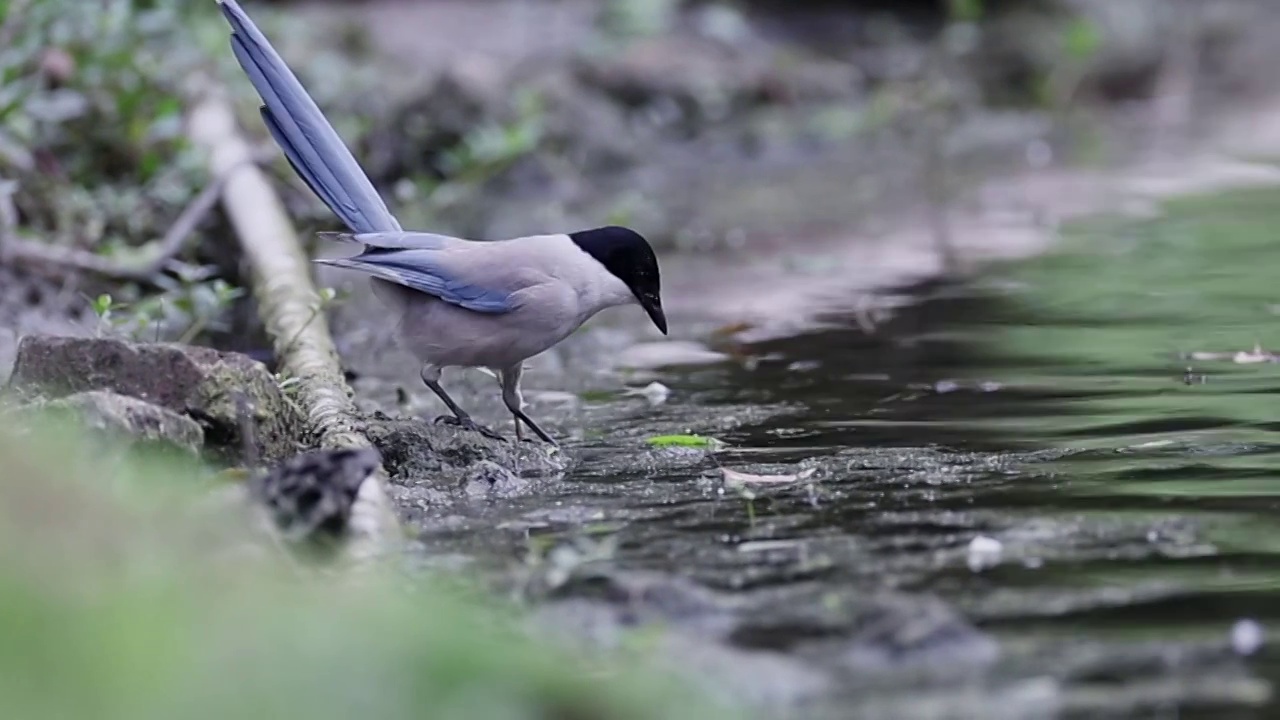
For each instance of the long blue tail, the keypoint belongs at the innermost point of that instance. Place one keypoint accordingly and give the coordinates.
(312, 146)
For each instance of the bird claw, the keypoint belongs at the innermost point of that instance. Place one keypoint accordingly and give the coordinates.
(466, 423)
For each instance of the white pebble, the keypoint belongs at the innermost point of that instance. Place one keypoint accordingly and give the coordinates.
(1247, 637)
(1039, 154)
(655, 392)
(984, 552)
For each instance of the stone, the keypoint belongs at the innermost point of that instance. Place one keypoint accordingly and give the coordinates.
(668, 354)
(123, 416)
(876, 632)
(590, 131)
(415, 137)
(311, 496)
(413, 450)
(487, 479)
(202, 383)
(704, 80)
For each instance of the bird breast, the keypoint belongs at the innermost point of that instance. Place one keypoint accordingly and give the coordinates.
(442, 334)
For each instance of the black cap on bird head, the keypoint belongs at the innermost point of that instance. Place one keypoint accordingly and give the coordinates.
(626, 254)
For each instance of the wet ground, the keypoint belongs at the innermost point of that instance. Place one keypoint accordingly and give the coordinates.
(1043, 491)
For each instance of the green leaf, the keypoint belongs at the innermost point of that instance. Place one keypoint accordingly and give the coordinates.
(965, 10)
(102, 305)
(1081, 39)
(690, 441)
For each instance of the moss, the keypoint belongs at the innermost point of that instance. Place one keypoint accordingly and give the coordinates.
(204, 384)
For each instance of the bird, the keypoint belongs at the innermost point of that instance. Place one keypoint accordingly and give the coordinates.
(456, 302)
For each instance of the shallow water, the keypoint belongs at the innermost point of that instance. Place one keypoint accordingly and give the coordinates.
(1048, 405)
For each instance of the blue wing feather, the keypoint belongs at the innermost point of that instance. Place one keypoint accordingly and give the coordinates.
(400, 240)
(426, 272)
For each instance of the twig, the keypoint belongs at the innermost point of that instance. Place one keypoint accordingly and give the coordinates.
(31, 252)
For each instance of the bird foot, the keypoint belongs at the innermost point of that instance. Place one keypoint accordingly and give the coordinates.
(467, 423)
(536, 441)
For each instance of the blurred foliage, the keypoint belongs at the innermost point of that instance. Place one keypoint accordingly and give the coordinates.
(92, 142)
(182, 310)
(124, 594)
(637, 18)
(91, 118)
(1077, 47)
(965, 10)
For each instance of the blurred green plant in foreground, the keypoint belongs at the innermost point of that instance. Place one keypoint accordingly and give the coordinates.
(126, 592)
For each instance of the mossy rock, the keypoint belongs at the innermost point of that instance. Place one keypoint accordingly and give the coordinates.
(205, 385)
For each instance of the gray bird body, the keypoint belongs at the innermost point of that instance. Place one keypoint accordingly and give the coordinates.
(454, 302)
(553, 287)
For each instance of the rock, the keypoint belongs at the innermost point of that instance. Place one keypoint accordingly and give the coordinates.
(413, 450)
(704, 81)
(201, 383)
(582, 125)
(899, 631)
(876, 633)
(489, 479)
(815, 80)
(122, 416)
(311, 496)
(688, 643)
(668, 353)
(642, 597)
(415, 138)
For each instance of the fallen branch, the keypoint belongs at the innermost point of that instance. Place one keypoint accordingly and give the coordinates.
(153, 260)
(287, 298)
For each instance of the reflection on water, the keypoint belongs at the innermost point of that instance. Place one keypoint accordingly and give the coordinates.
(1051, 409)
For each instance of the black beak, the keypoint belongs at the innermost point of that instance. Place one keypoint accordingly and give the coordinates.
(653, 306)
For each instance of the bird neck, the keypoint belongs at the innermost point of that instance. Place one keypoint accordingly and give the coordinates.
(604, 292)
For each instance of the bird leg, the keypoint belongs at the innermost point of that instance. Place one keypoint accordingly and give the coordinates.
(460, 418)
(510, 380)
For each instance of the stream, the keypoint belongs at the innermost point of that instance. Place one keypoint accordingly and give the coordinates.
(1097, 417)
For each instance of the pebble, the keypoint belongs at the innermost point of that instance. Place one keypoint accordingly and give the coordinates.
(655, 393)
(984, 552)
(1247, 637)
